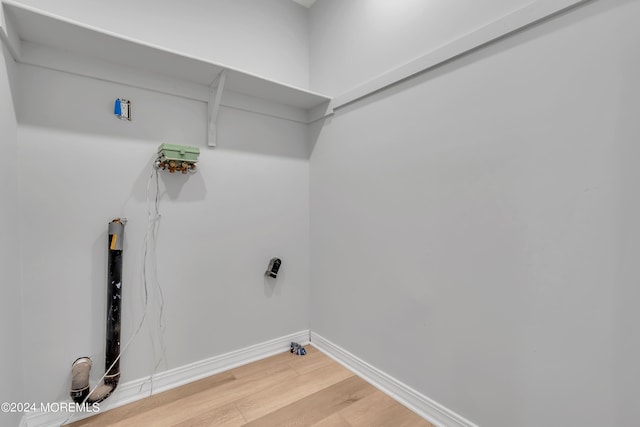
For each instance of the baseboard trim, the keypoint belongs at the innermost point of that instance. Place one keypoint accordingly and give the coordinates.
(427, 408)
(131, 391)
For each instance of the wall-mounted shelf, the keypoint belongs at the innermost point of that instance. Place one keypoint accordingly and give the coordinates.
(39, 38)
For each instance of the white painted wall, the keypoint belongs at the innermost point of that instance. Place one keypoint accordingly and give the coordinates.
(356, 40)
(11, 389)
(80, 167)
(266, 37)
(475, 229)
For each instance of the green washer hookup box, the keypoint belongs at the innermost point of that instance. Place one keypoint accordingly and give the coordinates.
(181, 153)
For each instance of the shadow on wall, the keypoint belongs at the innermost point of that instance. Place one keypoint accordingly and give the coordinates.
(98, 288)
(506, 42)
(97, 284)
(172, 185)
(274, 286)
(314, 131)
(174, 182)
(59, 100)
(78, 104)
(627, 352)
(256, 133)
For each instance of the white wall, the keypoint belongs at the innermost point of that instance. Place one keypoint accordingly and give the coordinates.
(475, 229)
(266, 37)
(11, 302)
(354, 41)
(80, 167)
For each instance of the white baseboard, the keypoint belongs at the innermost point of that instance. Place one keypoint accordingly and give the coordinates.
(432, 411)
(130, 391)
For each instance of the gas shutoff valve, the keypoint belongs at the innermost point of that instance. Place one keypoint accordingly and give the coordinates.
(177, 158)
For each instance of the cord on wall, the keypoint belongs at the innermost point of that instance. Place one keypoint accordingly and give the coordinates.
(150, 257)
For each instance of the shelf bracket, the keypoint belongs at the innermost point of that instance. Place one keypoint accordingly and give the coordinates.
(215, 96)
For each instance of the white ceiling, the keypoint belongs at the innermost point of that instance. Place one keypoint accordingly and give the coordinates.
(305, 3)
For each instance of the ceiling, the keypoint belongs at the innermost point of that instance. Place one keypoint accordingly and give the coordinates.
(305, 3)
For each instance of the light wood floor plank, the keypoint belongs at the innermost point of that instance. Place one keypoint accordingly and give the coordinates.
(268, 400)
(364, 412)
(279, 391)
(399, 416)
(379, 410)
(141, 406)
(206, 400)
(334, 420)
(318, 406)
(224, 416)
